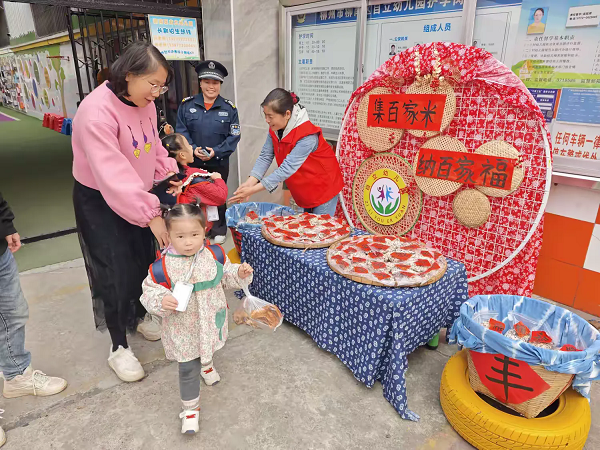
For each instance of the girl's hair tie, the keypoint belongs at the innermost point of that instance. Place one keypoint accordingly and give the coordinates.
(294, 97)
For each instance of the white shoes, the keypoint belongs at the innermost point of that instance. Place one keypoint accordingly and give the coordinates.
(33, 382)
(210, 375)
(125, 364)
(2, 434)
(220, 239)
(190, 421)
(150, 328)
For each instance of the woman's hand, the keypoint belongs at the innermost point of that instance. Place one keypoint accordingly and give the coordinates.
(243, 193)
(169, 303)
(157, 225)
(175, 189)
(216, 176)
(245, 271)
(200, 154)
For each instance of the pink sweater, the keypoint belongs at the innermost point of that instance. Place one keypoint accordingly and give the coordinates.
(117, 151)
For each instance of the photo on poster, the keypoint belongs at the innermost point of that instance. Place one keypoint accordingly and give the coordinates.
(392, 50)
(537, 20)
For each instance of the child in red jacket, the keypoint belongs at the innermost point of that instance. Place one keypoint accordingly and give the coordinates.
(197, 183)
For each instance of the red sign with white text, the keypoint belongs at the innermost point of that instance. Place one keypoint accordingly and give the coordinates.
(467, 168)
(407, 111)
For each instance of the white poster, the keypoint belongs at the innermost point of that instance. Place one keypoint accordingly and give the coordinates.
(323, 63)
(395, 27)
(576, 148)
(496, 27)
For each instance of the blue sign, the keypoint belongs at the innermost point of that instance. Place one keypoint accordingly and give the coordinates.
(497, 3)
(546, 100)
(579, 106)
(412, 7)
(175, 37)
(386, 11)
(325, 17)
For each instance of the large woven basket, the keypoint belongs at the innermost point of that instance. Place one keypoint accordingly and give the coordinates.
(559, 383)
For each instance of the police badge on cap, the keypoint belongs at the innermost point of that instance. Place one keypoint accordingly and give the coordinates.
(212, 70)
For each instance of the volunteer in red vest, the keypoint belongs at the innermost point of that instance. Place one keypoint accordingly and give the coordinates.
(307, 163)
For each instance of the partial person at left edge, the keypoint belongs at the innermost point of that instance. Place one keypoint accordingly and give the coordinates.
(211, 125)
(15, 361)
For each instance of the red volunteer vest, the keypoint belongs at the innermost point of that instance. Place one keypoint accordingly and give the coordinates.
(319, 179)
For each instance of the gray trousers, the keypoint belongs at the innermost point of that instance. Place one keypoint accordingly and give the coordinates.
(189, 379)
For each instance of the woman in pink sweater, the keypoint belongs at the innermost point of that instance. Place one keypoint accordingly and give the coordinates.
(117, 154)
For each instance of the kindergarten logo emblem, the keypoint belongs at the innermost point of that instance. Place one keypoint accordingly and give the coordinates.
(384, 201)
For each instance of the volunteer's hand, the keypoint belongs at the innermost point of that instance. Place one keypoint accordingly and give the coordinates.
(216, 176)
(168, 129)
(245, 271)
(159, 229)
(14, 242)
(243, 193)
(202, 156)
(169, 303)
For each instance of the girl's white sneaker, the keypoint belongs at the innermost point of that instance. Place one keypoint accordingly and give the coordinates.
(190, 421)
(2, 434)
(210, 375)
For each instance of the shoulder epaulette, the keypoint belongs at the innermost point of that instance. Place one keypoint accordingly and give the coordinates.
(230, 102)
(186, 99)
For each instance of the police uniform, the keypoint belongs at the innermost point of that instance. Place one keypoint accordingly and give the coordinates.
(217, 127)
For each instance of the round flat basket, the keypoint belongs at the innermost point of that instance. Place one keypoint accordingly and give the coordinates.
(424, 87)
(504, 150)
(376, 138)
(299, 232)
(471, 208)
(385, 196)
(424, 280)
(434, 186)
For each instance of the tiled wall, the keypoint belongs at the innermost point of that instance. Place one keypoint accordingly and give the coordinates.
(569, 264)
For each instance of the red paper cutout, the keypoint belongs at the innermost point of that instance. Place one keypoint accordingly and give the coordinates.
(497, 326)
(521, 329)
(540, 337)
(407, 111)
(467, 168)
(509, 380)
(569, 348)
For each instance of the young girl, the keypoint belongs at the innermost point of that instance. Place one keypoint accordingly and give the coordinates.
(191, 337)
(212, 190)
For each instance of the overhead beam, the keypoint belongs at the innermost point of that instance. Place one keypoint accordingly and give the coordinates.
(127, 6)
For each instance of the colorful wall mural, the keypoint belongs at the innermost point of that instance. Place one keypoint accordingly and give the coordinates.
(46, 79)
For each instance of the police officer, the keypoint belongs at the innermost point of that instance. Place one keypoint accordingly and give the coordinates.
(211, 125)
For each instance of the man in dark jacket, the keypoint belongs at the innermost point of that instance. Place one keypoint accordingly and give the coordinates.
(15, 362)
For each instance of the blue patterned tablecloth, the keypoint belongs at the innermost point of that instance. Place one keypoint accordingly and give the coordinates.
(370, 329)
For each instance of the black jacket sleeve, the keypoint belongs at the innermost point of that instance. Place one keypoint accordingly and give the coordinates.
(6, 219)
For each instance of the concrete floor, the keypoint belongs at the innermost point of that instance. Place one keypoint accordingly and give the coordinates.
(278, 391)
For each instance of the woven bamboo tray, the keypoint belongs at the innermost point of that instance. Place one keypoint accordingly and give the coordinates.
(503, 150)
(274, 241)
(363, 280)
(471, 208)
(424, 87)
(559, 383)
(434, 186)
(378, 139)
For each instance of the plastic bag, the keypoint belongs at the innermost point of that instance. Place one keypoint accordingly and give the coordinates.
(257, 313)
(236, 214)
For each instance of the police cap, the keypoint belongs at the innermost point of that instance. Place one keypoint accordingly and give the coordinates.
(213, 70)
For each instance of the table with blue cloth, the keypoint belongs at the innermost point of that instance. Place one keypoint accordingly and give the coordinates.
(370, 329)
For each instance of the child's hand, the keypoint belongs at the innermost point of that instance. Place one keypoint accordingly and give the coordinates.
(245, 270)
(169, 303)
(215, 176)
